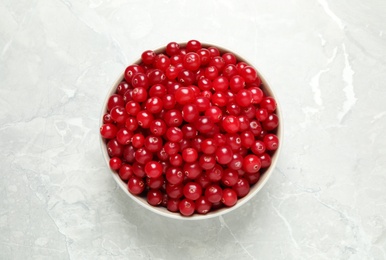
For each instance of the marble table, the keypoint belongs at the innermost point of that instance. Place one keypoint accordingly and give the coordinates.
(326, 61)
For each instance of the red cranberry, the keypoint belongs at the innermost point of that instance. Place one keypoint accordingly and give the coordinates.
(229, 197)
(136, 185)
(213, 193)
(192, 190)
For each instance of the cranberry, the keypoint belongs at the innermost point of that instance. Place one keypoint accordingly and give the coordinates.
(142, 155)
(204, 84)
(168, 101)
(249, 74)
(251, 163)
(244, 98)
(172, 204)
(219, 99)
(173, 117)
(204, 124)
(192, 190)
(155, 183)
(193, 45)
(191, 61)
(271, 122)
(192, 170)
(257, 95)
(215, 173)
(156, 76)
(203, 205)
(161, 62)
(118, 114)
(174, 191)
(229, 71)
(174, 134)
(172, 72)
(229, 197)
(176, 159)
(172, 48)
(171, 148)
(153, 143)
(247, 139)
(218, 62)
(241, 188)
(252, 178)
(237, 161)
(115, 163)
(186, 207)
(233, 109)
(261, 114)
(244, 122)
(207, 162)
(122, 88)
(131, 123)
(128, 153)
(220, 83)
(115, 100)
(124, 136)
(131, 71)
(204, 56)
(140, 80)
(231, 124)
(214, 113)
(154, 105)
(138, 140)
(271, 142)
(125, 172)
(174, 175)
(136, 185)
(189, 155)
(213, 193)
(265, 160)
(258, 147)
(144, 118)
(108, 131)
(208, 146)
(154, 197)
(114, 148)
(190, 113)
(139, 170)
(186, 77)
(158, 127)
(185, 95)
(189, 131)
(224, 154)
(132, 108)
(229, 177)
(269, 104)
(219, 139)
(107, 118)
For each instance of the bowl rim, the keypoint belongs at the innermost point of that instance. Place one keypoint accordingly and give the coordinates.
(242, 201)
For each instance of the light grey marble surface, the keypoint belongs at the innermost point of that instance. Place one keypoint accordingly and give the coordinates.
(326, 61)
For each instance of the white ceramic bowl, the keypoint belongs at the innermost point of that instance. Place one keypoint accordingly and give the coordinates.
(254, 188)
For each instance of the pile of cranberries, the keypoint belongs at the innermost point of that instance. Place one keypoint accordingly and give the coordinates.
(190, 128)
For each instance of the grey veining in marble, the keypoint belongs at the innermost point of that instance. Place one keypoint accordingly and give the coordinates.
(326, 61)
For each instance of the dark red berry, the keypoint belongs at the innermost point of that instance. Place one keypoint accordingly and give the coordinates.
(192, 190)
(136, 185)
(251, 163)
(213, 193)
(229, 197)
(108, 131)
(186, 207)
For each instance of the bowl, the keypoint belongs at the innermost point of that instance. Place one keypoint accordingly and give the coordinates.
(176, 215)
